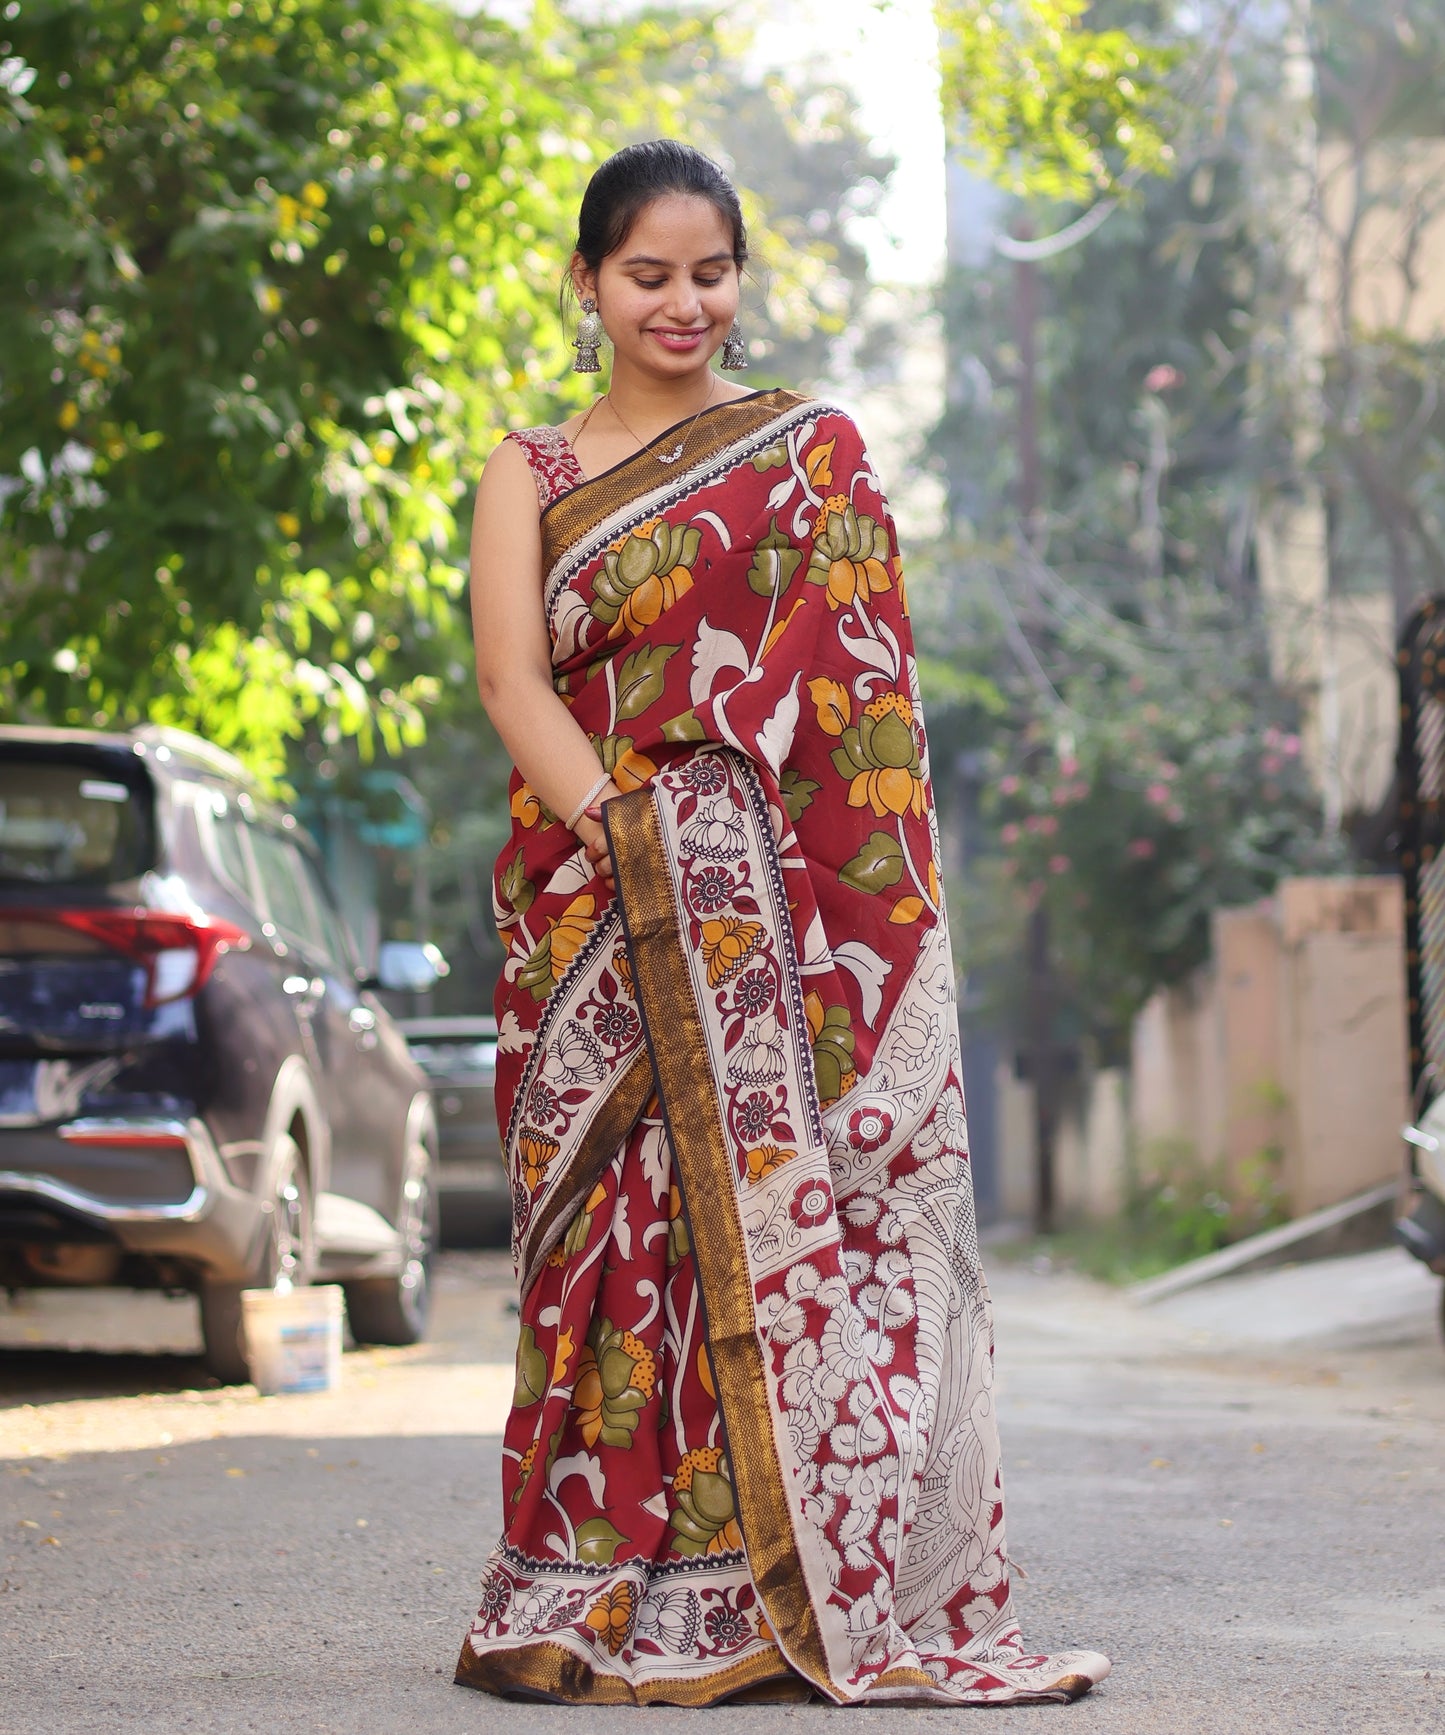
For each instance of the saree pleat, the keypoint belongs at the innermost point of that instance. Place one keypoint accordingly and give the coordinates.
(752, 1449)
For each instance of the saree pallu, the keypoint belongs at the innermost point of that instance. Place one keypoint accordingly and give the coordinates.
(753, 1449)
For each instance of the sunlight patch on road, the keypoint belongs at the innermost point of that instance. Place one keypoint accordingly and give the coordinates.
(416, 1400)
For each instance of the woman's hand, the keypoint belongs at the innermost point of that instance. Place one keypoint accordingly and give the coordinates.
(593, 837)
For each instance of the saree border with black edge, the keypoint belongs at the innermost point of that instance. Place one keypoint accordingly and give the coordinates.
(584, 519)
(645, 857)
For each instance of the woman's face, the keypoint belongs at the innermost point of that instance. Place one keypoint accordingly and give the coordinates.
(669, 294)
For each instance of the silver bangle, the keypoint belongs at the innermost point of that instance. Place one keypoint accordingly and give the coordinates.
(587, 800)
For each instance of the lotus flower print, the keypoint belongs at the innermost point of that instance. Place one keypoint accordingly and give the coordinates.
(880, 759)
(716, 834)
(850, 553)
(644, 573)
(616, 1373)
(759, 1058)
(704, 1515)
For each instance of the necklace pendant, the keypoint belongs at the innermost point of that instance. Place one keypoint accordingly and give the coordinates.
(672, 456)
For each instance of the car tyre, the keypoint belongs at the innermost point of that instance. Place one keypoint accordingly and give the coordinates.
(286, 1257)
(395, 1310)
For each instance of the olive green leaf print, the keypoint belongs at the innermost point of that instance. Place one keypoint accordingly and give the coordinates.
(797, 792)
(640, 680)
(775, 560)
(878, 865)
(684, 727)
(517, 889)
(598, 1541)
(531, 1386)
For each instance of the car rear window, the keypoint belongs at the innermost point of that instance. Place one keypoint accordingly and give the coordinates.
(68, 822)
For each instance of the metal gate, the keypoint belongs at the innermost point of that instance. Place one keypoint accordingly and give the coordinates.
(1421, 766)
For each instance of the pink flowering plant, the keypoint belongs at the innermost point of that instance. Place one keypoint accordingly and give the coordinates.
(1130, 825)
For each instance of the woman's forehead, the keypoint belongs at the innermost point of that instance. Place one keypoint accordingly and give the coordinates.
(677, 229)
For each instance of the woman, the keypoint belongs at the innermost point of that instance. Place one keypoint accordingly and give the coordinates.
(753, 1449)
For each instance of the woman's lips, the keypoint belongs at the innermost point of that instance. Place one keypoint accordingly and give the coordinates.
(671, 339)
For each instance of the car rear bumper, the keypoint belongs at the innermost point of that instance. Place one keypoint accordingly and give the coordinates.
(151, 1186)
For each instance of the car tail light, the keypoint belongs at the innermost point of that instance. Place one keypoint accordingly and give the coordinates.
(178, 951)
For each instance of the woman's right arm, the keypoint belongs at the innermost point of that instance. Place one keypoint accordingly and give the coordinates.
(514, 650)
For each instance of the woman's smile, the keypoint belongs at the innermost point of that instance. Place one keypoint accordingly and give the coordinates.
(679, 337)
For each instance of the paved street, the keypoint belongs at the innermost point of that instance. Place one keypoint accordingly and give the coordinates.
(1240, 1495)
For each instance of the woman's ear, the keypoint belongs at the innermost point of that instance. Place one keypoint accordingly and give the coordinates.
(584, 278)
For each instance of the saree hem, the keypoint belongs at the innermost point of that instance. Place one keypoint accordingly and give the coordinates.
(556, 1675)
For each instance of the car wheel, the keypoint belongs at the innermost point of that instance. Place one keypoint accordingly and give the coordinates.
(395, 1310)
(285, 1258)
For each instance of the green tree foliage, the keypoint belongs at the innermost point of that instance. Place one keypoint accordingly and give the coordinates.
(271, 277)
(1148, 769)
(1047, 104)
(812, 174)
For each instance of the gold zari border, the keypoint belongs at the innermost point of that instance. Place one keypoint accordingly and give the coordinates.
(582, 509)
(678, 1044)
(615, 1120)
(551, 1671)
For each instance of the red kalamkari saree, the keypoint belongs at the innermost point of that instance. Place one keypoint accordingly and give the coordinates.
(753, 1448)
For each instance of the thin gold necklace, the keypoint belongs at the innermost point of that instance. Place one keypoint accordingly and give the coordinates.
(647, 445)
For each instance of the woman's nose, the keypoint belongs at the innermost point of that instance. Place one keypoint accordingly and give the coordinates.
(684, 303)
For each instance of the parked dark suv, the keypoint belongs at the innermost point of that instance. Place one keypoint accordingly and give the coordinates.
(198, 1089)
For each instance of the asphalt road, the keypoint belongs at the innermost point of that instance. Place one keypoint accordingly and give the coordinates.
(1240, 1496)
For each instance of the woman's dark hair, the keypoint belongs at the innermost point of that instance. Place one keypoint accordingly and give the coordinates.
(627, 183)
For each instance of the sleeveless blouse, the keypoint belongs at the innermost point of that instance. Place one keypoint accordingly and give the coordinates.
(551, 460)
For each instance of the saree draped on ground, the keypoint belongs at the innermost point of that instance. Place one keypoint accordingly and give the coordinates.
(753, 1445)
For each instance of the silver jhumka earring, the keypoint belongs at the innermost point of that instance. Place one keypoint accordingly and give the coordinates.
(735, 350)
(588, 339)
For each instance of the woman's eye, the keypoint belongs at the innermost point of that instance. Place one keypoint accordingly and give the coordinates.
(708, 282)
(649, 282)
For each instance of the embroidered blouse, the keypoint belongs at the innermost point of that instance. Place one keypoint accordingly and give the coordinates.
(551, 460)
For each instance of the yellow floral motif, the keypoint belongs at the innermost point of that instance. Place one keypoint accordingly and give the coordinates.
(622, 967)
(704, 1516)
(850, 554)
(890, 704)
(611, 1616)
(633, 770)
(699, 1458)
(765, 1160)
(526, 809)
(644, 573)
(818, 463)
(727, 943)
(571, 928)
(524, 1470)
(537, 1152)
(891, 790)
(834, 704)
(557, 1258)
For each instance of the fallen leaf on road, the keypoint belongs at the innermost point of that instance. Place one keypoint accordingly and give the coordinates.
(28, 1524)
(234, 1472)
(54, 1541)
(1160, 1463)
